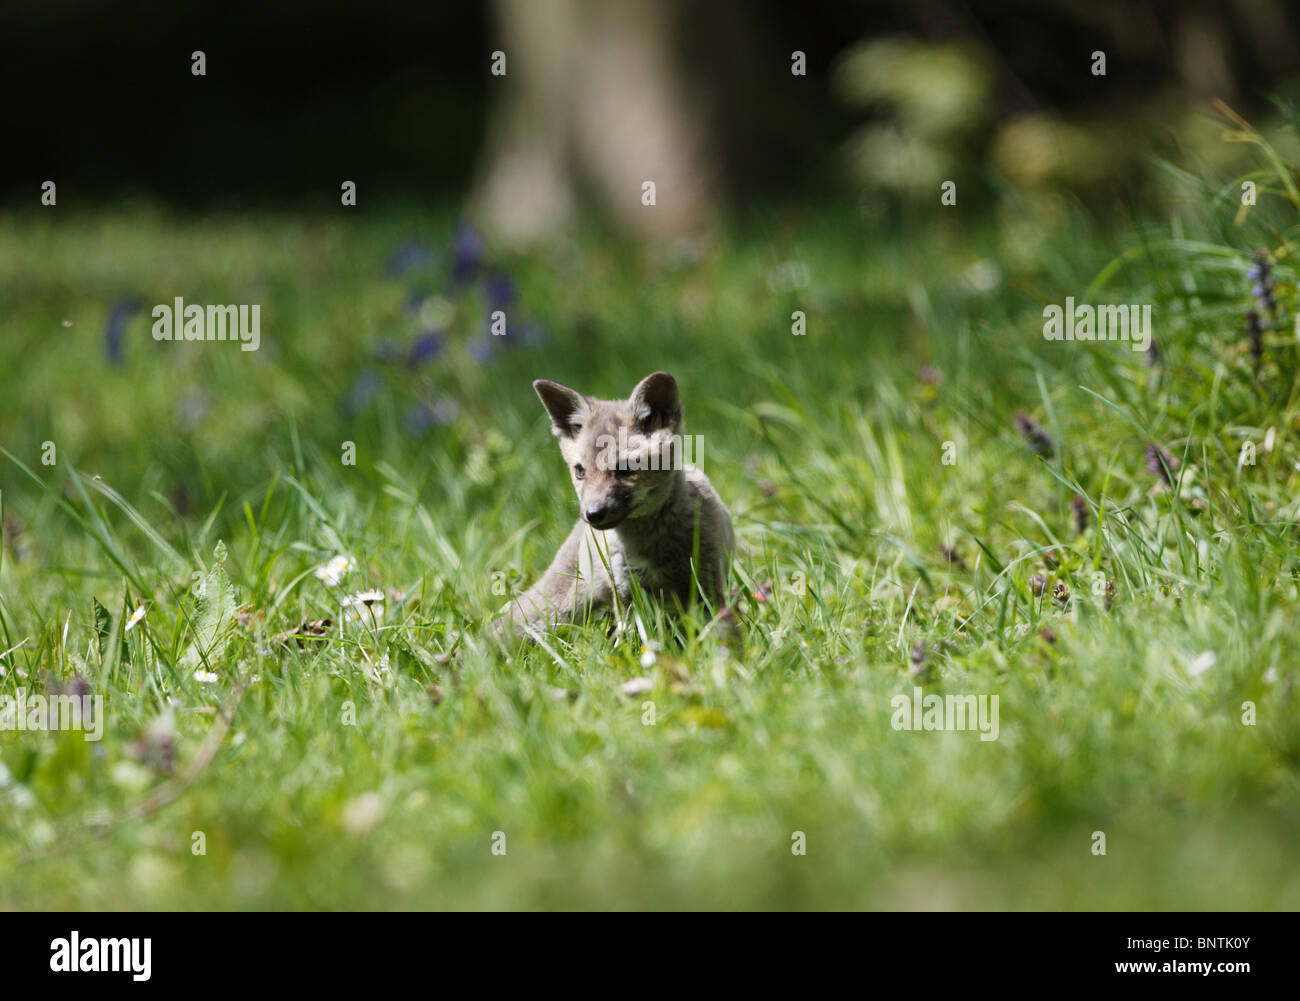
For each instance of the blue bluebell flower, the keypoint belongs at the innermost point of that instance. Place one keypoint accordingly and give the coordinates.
(424, 416)
(418, 419)
(500, 291)
(483, 348)
(427, 346)
(115, 329)
(409, 255)
(525, 335)
(1262, 288)
(467, 254)
(362, 392)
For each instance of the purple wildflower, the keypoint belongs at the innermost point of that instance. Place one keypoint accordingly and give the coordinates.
(466, 254)
(424, 416)
(920, 659)
(427, 346)
(1161, 464)
(952, 557)
(1080, 508)
(524, 335)
(1262, 289)
(362, 392)
(1255, 331)
(1039, 441)
(409, 255)
(483, 348)
(155, 746)
(115, 329)
(418, 419)
(500, 291)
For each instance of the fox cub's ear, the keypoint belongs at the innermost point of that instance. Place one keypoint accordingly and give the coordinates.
(567, 407)
(656, 403)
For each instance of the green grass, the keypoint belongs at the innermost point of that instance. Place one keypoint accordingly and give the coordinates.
(202, 480)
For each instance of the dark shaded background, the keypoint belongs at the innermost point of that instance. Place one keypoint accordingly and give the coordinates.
(397, 95)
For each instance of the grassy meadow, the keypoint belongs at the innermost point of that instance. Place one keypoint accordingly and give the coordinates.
(925, 491)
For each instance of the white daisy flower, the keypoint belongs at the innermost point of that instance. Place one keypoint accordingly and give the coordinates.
(206, 677)
(333, 572)
(362, 814)
(363, 598)
(136, 618)
(1201, 663)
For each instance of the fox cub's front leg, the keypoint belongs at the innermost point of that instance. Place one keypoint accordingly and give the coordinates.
(588, 573)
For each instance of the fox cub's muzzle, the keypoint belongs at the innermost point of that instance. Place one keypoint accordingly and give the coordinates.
(605, 515)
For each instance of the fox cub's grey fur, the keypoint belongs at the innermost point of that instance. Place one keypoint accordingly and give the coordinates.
(645, 514)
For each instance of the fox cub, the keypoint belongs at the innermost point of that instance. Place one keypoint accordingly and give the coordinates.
(645, 514)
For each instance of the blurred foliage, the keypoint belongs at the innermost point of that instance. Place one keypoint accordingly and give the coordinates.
(936, 101)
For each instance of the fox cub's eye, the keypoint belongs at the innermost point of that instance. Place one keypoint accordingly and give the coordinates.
(578, 471)
(623, 472)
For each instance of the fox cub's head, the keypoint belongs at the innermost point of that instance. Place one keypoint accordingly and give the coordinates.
(624, 456)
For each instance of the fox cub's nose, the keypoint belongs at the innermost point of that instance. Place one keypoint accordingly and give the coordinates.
(598, 515)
